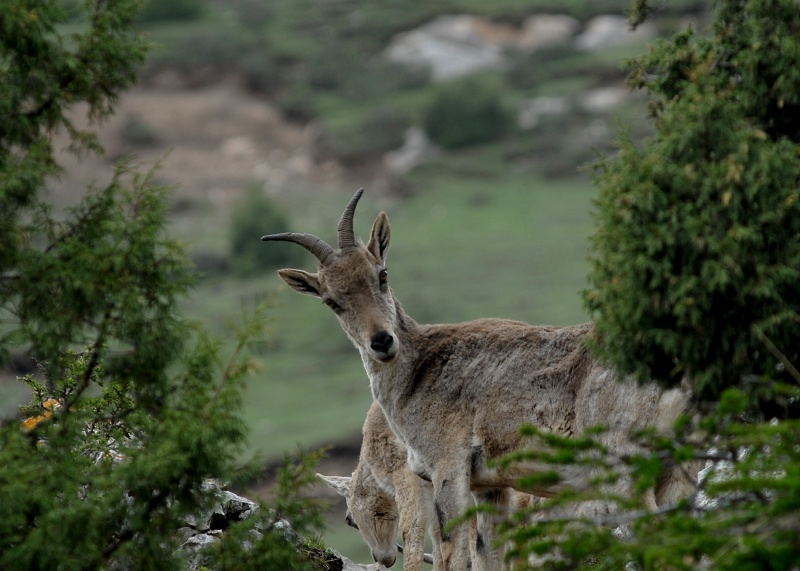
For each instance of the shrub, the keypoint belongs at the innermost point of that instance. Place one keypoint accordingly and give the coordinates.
(210, 263)
(203, 53)
(696, 257)
(259, 72)
(380, 131)
(296, 103)
(138, 133)
(466, 112)
(114, 453)
(254, 216)
(531, 70)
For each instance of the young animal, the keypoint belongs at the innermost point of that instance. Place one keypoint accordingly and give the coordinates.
(456, 394)
(384, 496)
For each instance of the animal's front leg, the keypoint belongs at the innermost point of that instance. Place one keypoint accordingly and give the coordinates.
(451, 499)
(414, 515)
(434, 528)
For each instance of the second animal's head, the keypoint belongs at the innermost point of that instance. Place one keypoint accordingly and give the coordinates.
(353, 281)
(371, 511)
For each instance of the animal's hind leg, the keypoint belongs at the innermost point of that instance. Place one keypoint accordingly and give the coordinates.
(484, 555)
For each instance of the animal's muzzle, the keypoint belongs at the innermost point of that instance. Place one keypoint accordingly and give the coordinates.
(385, 560)
(382, 343)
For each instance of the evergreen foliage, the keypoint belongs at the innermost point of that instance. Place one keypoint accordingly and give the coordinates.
(466, 112)
(134, 407)
(251, 215)
(744, 513)
(695, 264)
(696, 257)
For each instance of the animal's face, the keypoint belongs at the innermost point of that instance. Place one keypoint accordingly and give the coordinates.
(371, 511)
(356, 287)
(354, 282)
(375, 514)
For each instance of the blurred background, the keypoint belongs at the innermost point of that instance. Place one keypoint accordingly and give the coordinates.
(471, 123)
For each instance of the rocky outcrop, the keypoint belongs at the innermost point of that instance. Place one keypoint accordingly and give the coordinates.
(609, 31)
(531, 112)
(417, 149)
(458, 45)
(203, 530)
(448, 46)
(544, 31)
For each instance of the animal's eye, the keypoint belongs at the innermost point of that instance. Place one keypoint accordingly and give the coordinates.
(332, 304)
(348, 519)
(383, 277)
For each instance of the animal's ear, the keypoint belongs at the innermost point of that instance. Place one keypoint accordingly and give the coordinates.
(379, 238)
(301, 281)
(339, 483)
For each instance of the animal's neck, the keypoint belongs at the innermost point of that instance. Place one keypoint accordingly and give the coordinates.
(388, 380)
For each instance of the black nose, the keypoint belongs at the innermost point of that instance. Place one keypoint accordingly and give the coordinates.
(381, 342)
(387, 561)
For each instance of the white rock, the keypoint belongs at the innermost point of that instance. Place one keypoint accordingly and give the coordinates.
(199, 541)
(605, 98)
(417, 149)
(545, 30)
(531, 112)
(609, 31)
(238, 147)
(450, 46)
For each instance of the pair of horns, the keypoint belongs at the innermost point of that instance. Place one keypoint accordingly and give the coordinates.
(321, 250)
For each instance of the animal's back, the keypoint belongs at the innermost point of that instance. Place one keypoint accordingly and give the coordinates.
(479, 372)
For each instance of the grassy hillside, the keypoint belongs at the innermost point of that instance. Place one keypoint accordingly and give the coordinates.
(463, 247)
(480, 232)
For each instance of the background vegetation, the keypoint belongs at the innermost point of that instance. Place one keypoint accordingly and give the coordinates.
(694, 283)
(497, 225)
(133, 409)
(513, 204)
(511, 200)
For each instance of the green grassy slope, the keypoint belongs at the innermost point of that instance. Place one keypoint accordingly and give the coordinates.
(463, 247)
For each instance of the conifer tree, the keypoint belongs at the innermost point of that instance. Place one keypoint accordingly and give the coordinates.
(696, 257)
(134, 409)
(694, 281)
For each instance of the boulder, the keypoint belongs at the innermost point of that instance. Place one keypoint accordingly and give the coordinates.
(605, 99)
(449, 46)
(457, 45)
(417, 149)
(531, 111)
(546, 30)
(609, 31)
(206, 529)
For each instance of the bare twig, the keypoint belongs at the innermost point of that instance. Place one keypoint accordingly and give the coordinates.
(426, 557)
(777, 353)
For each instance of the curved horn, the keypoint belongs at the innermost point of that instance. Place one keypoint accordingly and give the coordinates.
(316, 246)
(347, 237)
